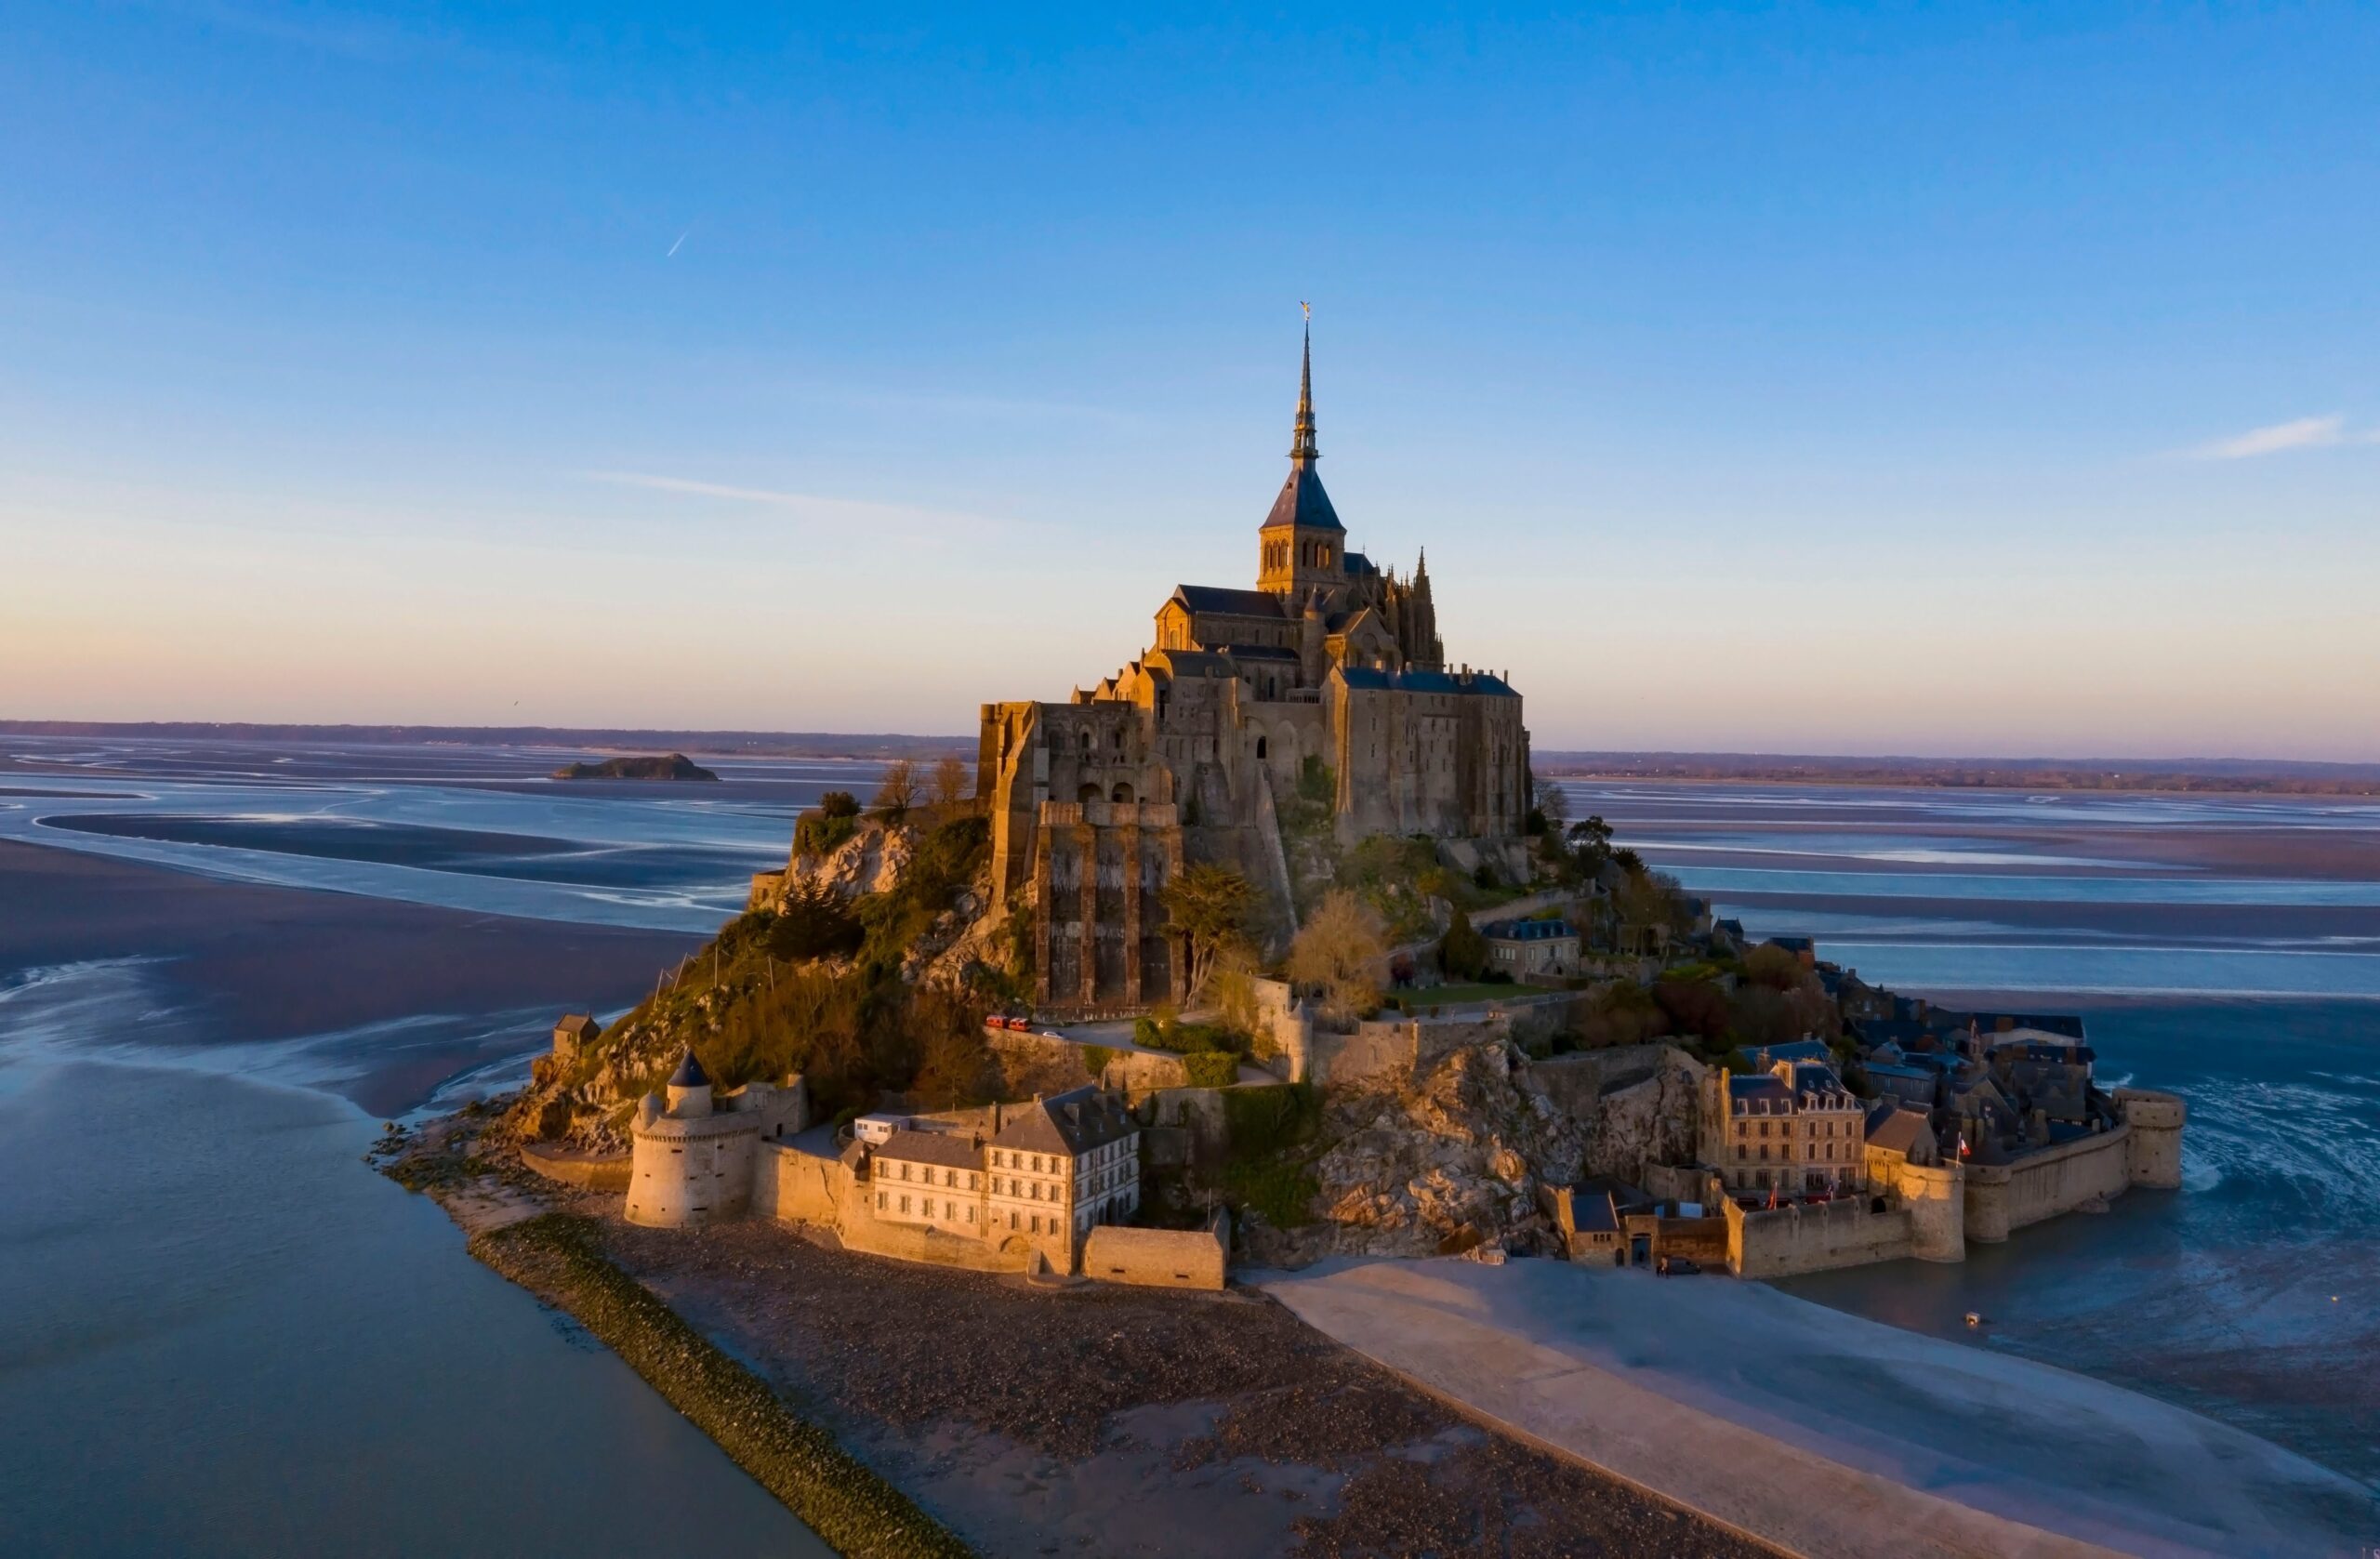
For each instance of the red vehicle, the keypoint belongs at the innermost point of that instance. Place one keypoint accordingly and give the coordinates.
(1021, 1025)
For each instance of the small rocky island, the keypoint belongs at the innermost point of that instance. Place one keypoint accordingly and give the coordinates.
(672, 766)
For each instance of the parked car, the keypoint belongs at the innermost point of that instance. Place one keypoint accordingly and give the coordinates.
(1677, 1266)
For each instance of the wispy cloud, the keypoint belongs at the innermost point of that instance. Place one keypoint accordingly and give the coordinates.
(2307, 432)
(855, 513)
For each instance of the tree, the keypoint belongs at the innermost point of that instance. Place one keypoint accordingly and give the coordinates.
(1592, 840)
(898, 790)
(1646, 906)
(1553, 804)
(1341, 953)
(1462, 952)
(952, 784)
(1208, 905)
(838, 803)
(813, 923)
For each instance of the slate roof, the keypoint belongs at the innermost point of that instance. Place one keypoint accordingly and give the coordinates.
(1071, 1123)
(1765, 1056)
(579, 1022)
(690, 1073)
(1529, 931)
(1365, 678)
(1303, 503)
(1257, 651)
(1592, 1213)
(1761, 1093)
(1895, 1129)
(947, 1148)
(1221, 598)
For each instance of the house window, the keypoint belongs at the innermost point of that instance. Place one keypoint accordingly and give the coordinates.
(879, 1201)
(1012, 1218)
(904, 1204)
(971, 1215)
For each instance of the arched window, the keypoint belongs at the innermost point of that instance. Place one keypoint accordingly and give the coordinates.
(1119, 741)
(1260, 747)
(1088, 793)
(1086, 741)
(1122, 792)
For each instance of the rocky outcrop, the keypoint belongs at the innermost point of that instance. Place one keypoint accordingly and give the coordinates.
(1652, 1119)
(1446, 1162)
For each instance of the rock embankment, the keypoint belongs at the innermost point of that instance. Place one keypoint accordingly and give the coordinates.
(559, 1256)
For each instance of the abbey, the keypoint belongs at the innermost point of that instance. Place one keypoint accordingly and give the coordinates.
(1329, 672)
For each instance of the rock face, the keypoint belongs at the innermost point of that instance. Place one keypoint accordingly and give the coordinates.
(1449, 1161)
(870, 861)
(1652, 1120)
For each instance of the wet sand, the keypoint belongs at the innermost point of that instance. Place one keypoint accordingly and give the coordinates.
(259, 963)
(1123, 1422)
(1824, 1432)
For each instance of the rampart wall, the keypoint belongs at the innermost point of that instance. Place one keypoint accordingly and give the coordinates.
(1814, 1237)
(2002, 1197)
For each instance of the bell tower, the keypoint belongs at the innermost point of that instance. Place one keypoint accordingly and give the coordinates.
(1302, 546)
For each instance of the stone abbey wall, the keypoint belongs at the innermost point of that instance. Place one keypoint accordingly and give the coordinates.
(1100, 870)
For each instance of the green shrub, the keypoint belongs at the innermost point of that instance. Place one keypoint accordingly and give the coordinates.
(1266, 1121)
(1211, 1068)
(816, 833)
(838, 803)
(1275, 1189)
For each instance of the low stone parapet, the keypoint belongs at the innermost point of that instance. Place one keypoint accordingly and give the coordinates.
(587, 1171)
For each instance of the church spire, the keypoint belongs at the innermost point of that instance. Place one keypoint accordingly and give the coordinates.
(1301, 441)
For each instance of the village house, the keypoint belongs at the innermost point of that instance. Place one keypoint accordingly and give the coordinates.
(1043, 1175)
(1793, 1129)
(1521, 948)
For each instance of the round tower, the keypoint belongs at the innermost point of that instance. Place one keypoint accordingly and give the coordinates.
(688, 1162)
(2154, 1154)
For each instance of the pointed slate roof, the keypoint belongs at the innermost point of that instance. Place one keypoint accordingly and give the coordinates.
(1301, 500)
(690, 1073)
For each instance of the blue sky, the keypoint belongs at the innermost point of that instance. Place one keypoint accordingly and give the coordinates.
(1935, 379)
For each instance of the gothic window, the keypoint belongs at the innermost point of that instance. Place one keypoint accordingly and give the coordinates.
(1123, 793)
(1089, 792)
(1259, 748)
(1086, 741)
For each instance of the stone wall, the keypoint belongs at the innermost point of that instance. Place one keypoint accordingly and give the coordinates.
(1383, 1053)
(587, 1171)
(1575, 1081)
(800, 1187)
(2001, 1197)
(1814, 1237)
(1158, 1258)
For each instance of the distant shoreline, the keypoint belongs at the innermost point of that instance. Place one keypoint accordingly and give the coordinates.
(2247, 776)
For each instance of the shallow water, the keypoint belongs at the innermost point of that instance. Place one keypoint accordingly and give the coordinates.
(220, 1333)
(2219, 947)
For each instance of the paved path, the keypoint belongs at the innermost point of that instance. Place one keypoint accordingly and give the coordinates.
(1823, 1432)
